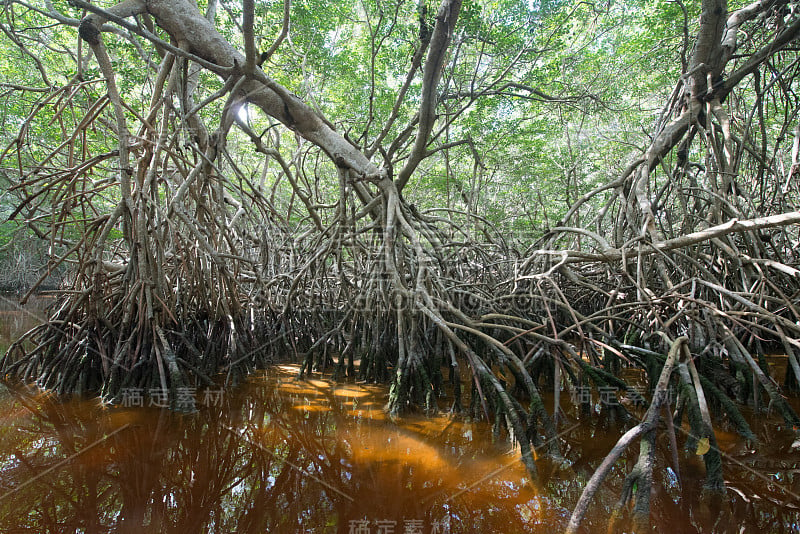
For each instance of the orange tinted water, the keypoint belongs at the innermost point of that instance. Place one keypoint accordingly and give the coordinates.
(277, 454)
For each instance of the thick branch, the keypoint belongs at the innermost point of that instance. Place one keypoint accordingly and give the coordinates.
(708, 47)
(432, 73)
(185, 24)
(730, 227)
(781, 41)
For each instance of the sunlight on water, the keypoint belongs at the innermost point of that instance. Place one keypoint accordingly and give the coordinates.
(317, 456)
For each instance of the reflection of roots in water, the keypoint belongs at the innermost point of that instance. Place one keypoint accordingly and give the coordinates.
(435, 448)
(173, 471)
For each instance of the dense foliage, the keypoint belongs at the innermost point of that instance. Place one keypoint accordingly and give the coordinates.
(521, 194)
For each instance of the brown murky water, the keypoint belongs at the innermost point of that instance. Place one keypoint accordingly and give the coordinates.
(15, 320)
(281, 455)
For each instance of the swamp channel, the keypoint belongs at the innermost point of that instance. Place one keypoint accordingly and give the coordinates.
(282, 455)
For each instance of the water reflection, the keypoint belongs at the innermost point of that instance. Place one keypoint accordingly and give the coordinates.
(282, 455)
(277, 455)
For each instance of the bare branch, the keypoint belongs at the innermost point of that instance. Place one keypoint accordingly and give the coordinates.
(432, 73)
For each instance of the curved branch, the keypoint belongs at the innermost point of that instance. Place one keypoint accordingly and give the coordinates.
(648, 423)
(781, 41)
(284, 32)
(730, 227)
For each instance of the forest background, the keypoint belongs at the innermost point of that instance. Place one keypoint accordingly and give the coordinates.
(528, 194)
